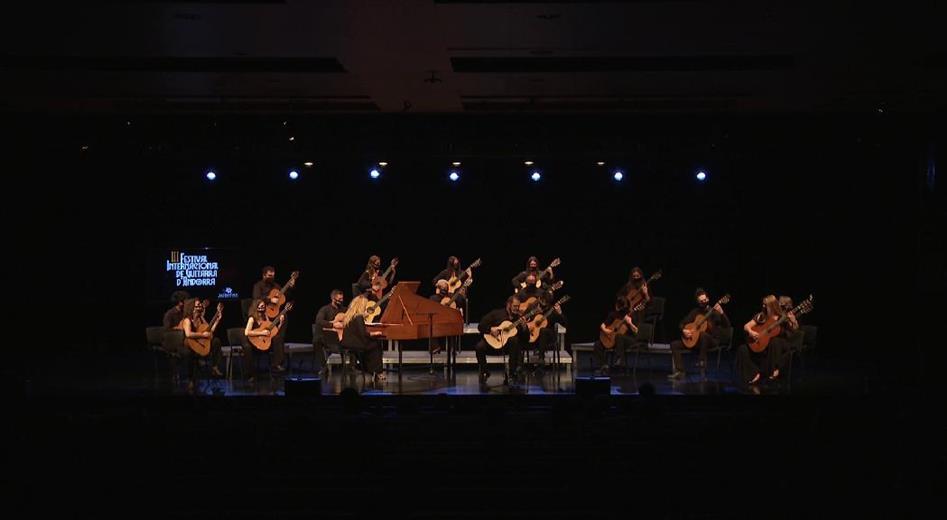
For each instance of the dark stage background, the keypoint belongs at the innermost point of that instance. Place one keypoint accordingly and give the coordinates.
(846, 208)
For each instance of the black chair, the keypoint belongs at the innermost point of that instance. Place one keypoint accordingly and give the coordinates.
(724, 344)
(653, 314)
(245, 304)
(233, 348)
(641, 343)
(155, 340)
(331, 345)
(805, 344)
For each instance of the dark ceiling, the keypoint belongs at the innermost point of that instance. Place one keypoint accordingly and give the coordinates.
(446, 56)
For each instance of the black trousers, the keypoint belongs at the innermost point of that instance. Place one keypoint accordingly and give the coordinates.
(623, 342)
(704, 343)
(174, 343)
(749, 363)
(512, 349)
(548, 341)
(369, 355)
(250, 352)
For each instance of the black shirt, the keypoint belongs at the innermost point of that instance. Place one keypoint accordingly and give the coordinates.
(458, 299)
(365, 281)
(492, 319)
(263, 287)
(613, 316)
(717, 321)
(446, 274)
(326, 316)
(520, 278)
(356, 334)
(173, 317)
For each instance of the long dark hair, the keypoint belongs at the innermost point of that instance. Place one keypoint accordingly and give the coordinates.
(372, 260)
(531, 260)
(631, 275)
(254, 313)
(451, 260)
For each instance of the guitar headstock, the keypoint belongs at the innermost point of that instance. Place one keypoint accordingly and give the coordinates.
(288, 307)
(562, 300)
(656, 276)
(475, 264)
(725, 300)
(220, 307)
(804, 306)
(556, 286)
(394, 262)
(554, 263)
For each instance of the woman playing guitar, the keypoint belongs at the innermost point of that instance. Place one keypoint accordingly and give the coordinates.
(256, 327)
(373, 279)
(752, 365)
(196, 327)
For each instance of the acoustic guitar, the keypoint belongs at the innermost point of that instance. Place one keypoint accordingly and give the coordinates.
(454, 283)
(540, 321)
(263, 342)
(451, 301)
(533, 301)
(272, 309)
(373, 309)
(701, 323)
(380, 283)
(634, 298)
(546, 272)
(619, 327)
(507, 329)
(773, 326)
(201, 346)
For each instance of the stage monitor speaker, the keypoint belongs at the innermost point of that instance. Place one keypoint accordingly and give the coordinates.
(303, 387)
(593, 385)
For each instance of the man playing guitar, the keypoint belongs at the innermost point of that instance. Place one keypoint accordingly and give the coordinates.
(329, 316)
(489, 325)
(716, 321)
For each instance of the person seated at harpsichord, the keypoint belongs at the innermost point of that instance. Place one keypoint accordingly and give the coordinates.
(358, 338)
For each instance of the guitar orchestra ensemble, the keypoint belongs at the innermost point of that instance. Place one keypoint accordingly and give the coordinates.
(384, 310)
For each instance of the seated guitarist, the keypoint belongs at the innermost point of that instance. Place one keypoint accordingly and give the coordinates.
(489, 325)
(709, 339)
(750, 366)
(194, 318)
(542, 293)
(325, 319)
(548, 339)
(441, 291)
(452, 269)
(373, 268)
(622, 341)
(256, 320)
(532, 267)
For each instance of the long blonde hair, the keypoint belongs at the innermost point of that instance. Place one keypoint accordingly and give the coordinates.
(771, 304)
(356, 308)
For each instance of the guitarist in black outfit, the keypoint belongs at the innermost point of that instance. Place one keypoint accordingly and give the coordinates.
(512, 348)
(532, 267)
(709, 339)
